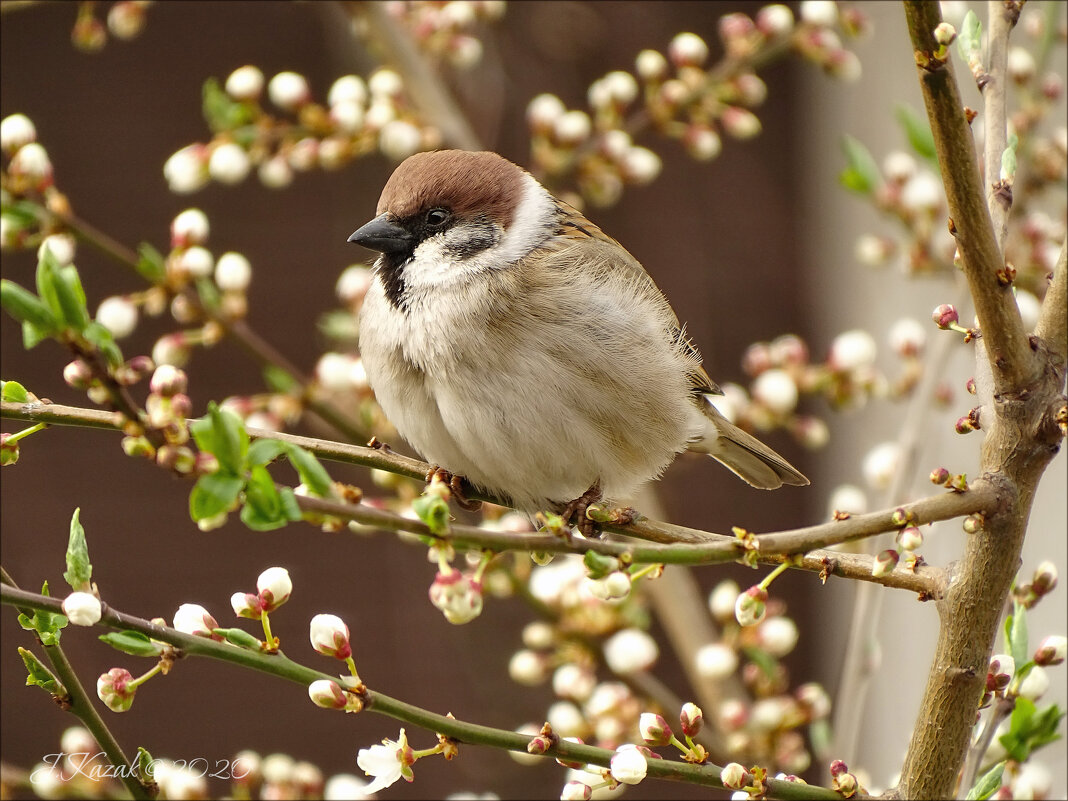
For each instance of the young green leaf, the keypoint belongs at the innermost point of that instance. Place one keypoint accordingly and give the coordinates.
(230, 437)
(434, 511)
(279, 380)
(263, 507)
(47, 625)
(27, 308)
(918, 132)
(133, 643)
(265, 451)
(1016, 634)
(214, 494)
(104, 341)
(861, 174)
(14, 392)
(37, 675)
(969, 37)
(150, 263)
(987, 784)
(79, 571)
(599, 565)
(312, 474)
(71, 296)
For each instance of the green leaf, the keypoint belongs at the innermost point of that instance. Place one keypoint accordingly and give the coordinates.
(238, 637)
(290, 507)
(14, 392)
(263, 509)
(46, 277)
(1030, 729)
(918, 132)
(434, 511)
(133, 643)
(1008, 163)
(223, 434)
(214, 494)
(221, 111)
(79, 571)
(1016, 634)
(27, 308)
(144, 763)
(969, 37)
(37, 675)
(104, 341)
(265, 451)
(208, 293)
(71, 296)
(279, 380)
(312, 474)
(150, 263)
(987, 784)
(47, 625)
(861, 174)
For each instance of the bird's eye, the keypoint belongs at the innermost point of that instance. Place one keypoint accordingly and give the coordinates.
(436, 218)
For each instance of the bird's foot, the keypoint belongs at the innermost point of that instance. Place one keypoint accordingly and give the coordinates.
(574, 512)
(457, 485)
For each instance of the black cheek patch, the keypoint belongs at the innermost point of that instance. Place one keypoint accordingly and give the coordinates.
(478, 236)
(391, 268)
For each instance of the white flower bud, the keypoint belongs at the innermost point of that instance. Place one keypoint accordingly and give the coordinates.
(776, 390)
(385, 83)
(572, 127)
(62, 247)
(1032, 780)
(274, 586)
(628, 764)
(343, 786)
(288, 90)
(334, 371)
(907, 337)
(196, 262)
(740, 123)
(822, 13)
(186, 170)
(275, 172)
(688, 49)
(191, 227)
(82, 608)
(852, 350)
(353, 283)
(716, 661)
(1021, 65)
(399, 139)
(566, 719)
(778, 636)
(775, 20)
(767, 714)
(922, 192)
(702, 143)
(722, 599)
(751, 606)
(872, 251)
(347, 115)
(880, 465)
(379, 114)
(621, 87)
(118, 315)
(194, 619)
(651, 65)
(848, 498)
(630, 651)
(329, 635)
(1035, 683)
(31, 160)
(573, 682)
(229, 163)
(245, 83)
(347, 89)
(16, 130)
(278, 768)
(640, 165)
(899, 166)
(464, 51)
(233, 272)
(544, 110)
(527, 667)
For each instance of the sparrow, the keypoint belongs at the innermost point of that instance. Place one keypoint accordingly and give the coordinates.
(515, 344)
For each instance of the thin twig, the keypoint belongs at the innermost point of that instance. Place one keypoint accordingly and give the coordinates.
(1052, 325)
(998, 194)
(1002, 709)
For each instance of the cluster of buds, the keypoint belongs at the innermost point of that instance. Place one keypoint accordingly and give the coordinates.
(684, 98)
(843, 782)
(358, 118)
(445, 31)
(281, 776)
(28, 173)
(125, 21)
(80, 770)
(1041, 584)
(1035, 238)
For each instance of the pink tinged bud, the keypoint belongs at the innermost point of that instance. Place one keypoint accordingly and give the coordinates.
(288, 90)
(939, 475)
(16, 130)
(688, 49)
(751, 606)
(196, 620)
(245, 604)
(576, 791)
(776, 390)
(965, 425)
(189, 228)
(702, 143)
(82, 608)
(77, 374)
(973, 524)
(907, 337)
(945, 34)
(734, 776)
(539, 744)
(628, 765)
(910, 538)
(654, 729)
(944, 316)
(168, 380)
(274, 587)
(739, 122)
(1045, 578)
(838, 767)
(457, 595)
(186, 170)
(691, 718)
(814, 699)
(733, 715)
(112, 688)
(884, 563)
(9, 451)
(845, 784)
(31, 162)
(330, 636)
(327, 694)
(775, 20)
(1052, 650)
(245, 83)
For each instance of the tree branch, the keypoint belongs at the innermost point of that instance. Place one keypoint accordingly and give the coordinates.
(1052, 325)
(998, 195)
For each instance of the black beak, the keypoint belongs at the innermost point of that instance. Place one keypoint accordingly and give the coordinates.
(383, 235)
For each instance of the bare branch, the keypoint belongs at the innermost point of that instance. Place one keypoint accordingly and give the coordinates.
(1052, 325)
(998, 195)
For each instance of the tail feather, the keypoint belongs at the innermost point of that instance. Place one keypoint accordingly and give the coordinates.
(743, 454)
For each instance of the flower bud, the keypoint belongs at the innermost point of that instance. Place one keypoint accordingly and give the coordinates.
(716, 661)
(330, 636)
(186, 170)
(881, 464)
(574, 682)
(740, 123)
(233, 272)
(722, 599)
(702, 143)
(82, 608)
(1045, 578)
(778, 636)
(654, 729)
(274, 587)
(884, 563)
(527, 667)
(245, 83)
(327, 694)
(776, 389)
(1035, 683)
(909, 538)
(572, 127)
(688, 49)
(229, 163)
(196, 620)
(16, 130)
(945, 34)
(78, 374)
(543, 112)
(628, 764)
(775, 20)
(112, 689)
(457, 595)
(939, 475)
(9, 451)
(813, 700)
(399, 139)
(751, 606)
(734, 776)
(691, 718)
(245, 604)
(576, 791)
(32, 163)
(819, 13)
(168, 380)
(1000, 672)
(63, 246)
(944, 316)
(1052, 650)
(630, 651)
(907, 337)
(852, 350)
(288, 90)
(651, 65)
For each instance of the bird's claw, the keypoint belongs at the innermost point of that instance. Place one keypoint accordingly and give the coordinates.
(456, 485)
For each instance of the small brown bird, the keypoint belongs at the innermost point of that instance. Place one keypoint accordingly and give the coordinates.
(513, 342)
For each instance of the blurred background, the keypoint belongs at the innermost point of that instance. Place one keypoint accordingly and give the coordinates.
(754, 244)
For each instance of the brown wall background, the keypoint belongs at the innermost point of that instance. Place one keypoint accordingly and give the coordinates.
(720, 240)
